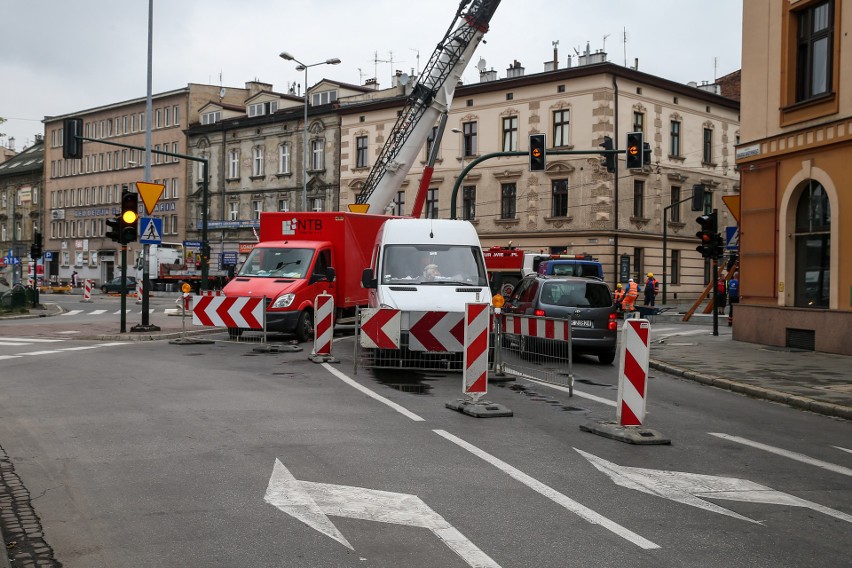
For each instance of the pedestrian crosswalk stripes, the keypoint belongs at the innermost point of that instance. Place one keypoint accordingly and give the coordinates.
(101, 312)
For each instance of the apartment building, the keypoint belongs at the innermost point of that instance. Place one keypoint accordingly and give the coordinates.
(80, 195)
(796, 201)
(21, 197)
(257, 157)
(634, 221)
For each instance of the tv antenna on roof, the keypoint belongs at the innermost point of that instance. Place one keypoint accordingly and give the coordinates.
(481, 64)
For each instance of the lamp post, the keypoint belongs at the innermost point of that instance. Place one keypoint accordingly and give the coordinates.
(333, 61)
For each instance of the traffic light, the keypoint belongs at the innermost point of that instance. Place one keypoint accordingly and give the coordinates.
(609, 159)
(635, 150)
(707, 235)
(698, 197)
(113, 231)
(129, 226)
(35, 250)
(72, 145)
(718, 246)
(646, 154)
(537, 152)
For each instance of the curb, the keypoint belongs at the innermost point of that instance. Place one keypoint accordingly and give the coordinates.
(795, 401)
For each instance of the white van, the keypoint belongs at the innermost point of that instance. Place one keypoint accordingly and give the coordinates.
(426, 265)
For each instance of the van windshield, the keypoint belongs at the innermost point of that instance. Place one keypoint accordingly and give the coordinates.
(277, 263)
(433, 264)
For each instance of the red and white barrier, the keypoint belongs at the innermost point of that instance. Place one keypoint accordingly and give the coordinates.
(634, 356)
(475, 372)
(380, 328)
(436, 332)
(229, 311)
(544, 328)
(323, 324)
(87, 291)
(139, 292)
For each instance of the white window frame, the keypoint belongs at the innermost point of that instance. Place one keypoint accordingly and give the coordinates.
(284, 158)
(233, 163)
(257, 161)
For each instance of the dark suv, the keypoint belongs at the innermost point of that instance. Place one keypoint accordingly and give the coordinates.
(587, 302)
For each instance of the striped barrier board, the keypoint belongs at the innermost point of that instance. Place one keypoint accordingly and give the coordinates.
(475, 371)
(228, 311)
(633, 365)
(537, 327)
(323, 324)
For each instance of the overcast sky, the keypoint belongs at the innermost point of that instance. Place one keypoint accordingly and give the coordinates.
(61, 56)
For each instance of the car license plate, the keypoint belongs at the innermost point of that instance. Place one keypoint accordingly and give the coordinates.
(581, 323)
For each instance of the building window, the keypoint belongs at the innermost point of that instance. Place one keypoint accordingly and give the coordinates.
(283, 205)
(430, 141)
(175, 193)
(318, 204)
(469, 202)
(675, 138)
(257, 161)
(360, 151)
(323, 98)
(675, 195)
(638, 199)
(813, 247)
(399, 203)
(508, 198)
(674, 272)
(432, 203)
(559, 189)
(510, 134)
(707, 146)
(176, 115)
(284, 158)
(317, 154)
(257, 208)
(233, 164)
(637, 265)
(158, 118)
(560, 127)
(233, 210)
(210, 117)
(168, 112)
(638, 121)
(469, 141)
(814, 45)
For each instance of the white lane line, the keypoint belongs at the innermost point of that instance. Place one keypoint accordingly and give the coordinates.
(581, 394)
(2, 357)
(81, 348)
(72, 312)
(352, 383)
(4, 343)
(843, 449)
(580, 510)
(785, 453)
(30, 340)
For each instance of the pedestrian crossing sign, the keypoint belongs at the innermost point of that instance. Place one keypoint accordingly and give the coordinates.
(151, 231)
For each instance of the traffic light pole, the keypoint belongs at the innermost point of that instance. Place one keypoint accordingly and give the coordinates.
(123, 320)
(715, 268)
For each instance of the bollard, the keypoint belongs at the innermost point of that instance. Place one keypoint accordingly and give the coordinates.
(323, 329)
(87, 291)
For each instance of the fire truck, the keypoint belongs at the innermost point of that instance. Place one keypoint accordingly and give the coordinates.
(507, 265)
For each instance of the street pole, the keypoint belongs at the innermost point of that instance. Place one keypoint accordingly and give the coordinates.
(123, 320)
(146, 280)
(714, 268)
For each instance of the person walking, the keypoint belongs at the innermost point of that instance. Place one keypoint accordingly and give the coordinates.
(618, 296)
(721, 294)
(74, 279)
(651, 289)
(630, 296)
(733, 296)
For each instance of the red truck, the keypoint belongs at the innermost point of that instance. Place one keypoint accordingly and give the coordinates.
(300, 255)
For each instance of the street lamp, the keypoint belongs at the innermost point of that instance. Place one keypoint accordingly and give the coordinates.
(333, 61)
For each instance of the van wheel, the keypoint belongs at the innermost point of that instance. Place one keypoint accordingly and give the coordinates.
(607, 358)
(234, 332)
(305, 326)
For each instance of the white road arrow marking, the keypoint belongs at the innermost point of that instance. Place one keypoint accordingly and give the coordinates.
(311, 502)
(693, 488)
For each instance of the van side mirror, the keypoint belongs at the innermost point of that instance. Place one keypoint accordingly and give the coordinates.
(367, 280)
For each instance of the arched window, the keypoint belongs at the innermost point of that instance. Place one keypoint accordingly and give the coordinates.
(813, 247)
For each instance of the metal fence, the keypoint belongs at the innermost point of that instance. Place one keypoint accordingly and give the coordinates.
(523, 346)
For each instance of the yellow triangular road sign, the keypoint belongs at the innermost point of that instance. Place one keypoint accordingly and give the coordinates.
(150, 193)
(733, 203)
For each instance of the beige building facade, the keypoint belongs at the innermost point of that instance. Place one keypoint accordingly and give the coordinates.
(80, 195)
(796, 202)
(574, 206)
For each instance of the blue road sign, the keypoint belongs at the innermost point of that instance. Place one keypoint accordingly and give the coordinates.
(150, 230)
(48, 256)
(732, 238)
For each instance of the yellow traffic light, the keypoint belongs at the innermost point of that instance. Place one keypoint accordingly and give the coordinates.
(129, 217)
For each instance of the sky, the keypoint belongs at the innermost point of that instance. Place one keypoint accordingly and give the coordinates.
(63, 56)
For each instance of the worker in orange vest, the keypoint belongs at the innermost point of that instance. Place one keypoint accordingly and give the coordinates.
(631, 295)
(618, 295)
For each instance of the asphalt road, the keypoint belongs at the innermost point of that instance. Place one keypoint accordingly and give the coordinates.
(154, 454)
